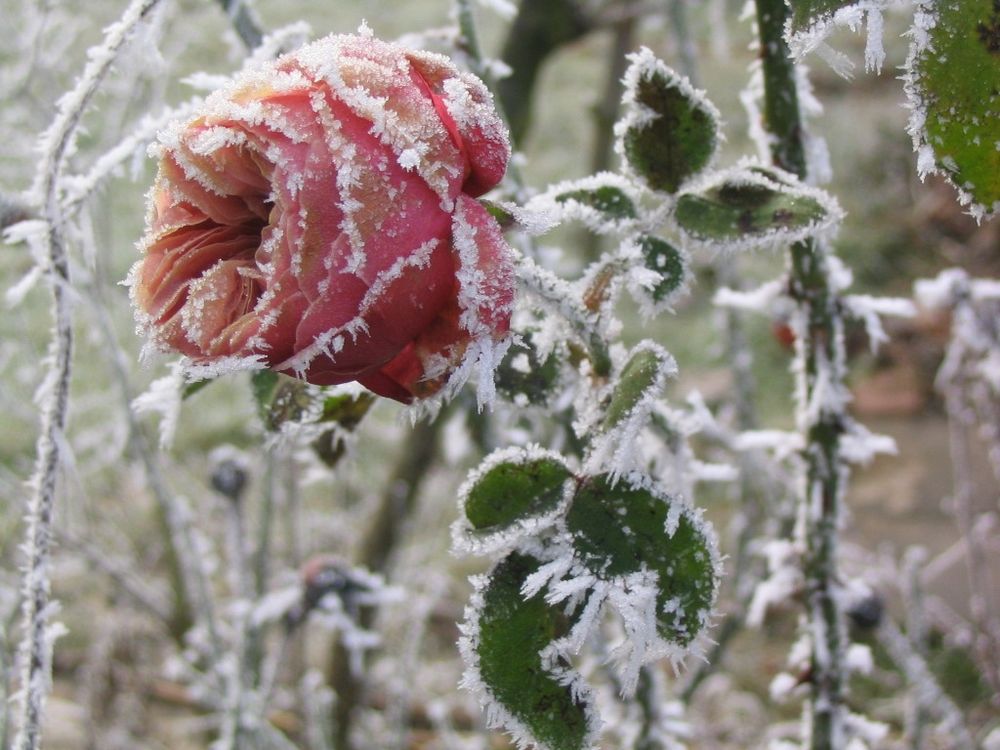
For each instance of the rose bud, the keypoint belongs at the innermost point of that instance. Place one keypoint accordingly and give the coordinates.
(316, 216)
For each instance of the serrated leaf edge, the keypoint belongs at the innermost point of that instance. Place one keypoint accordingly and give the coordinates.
(497, 715)
(592, 218)
(637, 115)
(777, 238)
(924, 19)
(466, 540)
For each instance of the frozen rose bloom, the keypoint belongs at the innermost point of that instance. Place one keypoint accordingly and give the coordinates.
(317, 216)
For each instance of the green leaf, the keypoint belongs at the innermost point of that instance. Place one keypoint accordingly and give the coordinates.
(514, 485)
(608, 199)
(953, 84)
(620, 529)
(744, 207)
(512, 632)
(523, 376)
(670, 131)
(669, 262)
(642, 378)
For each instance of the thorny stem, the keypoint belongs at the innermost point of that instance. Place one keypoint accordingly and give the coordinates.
(58, 139)
(819, 355)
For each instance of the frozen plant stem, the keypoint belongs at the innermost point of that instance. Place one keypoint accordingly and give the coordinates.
(819, 370)
(57, 141)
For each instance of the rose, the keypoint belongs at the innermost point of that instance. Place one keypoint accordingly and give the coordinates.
(316, 216)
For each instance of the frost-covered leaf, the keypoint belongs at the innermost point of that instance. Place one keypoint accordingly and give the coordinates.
(607, 199)
(514, 492)
(749, 207)
(952, 85)
(504, 637)
(274, 395)
(659, 276)
(633, 395)
(605, 202)
(524, 377)
(625, 528)
(641, 377)
(670, 131)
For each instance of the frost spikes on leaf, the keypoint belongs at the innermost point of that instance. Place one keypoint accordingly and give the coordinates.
(951, 86)
(751, 206)
(515, 492)
(630, 404)
(536, 698)
(670, 131)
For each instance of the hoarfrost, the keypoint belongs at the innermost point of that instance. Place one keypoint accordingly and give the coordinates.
(468, 540)
(164, 397)
(645, 65)
(561, 202)
(870, 311)
(852, 16)
(749, 172)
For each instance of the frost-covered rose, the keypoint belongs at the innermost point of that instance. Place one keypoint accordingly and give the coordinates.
(317, 214)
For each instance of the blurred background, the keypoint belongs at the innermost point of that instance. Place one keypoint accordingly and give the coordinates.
(124, 674)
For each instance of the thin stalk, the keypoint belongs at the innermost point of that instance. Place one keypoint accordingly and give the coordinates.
(926, 688)
(819, 368)
(397, 504)
(244, 22)
(36, 646)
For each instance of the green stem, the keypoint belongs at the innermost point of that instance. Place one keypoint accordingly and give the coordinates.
(820, 356)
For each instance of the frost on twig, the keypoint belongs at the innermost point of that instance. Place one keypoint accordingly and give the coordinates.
(55, 144)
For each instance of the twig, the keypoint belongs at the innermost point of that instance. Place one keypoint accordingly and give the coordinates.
(56, 143)
(926, 689)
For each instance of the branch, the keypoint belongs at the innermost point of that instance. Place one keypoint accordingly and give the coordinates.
(56, 142)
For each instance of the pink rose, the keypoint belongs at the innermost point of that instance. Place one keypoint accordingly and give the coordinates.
(318, 215)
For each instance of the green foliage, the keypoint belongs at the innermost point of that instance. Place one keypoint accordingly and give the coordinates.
(512, 491)
(640, 375)
(670, 133)
(608, 199)
(512, 633)
(666, 260)
(537, 383)
(620, 529)
(746, 205)
(955, 75)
